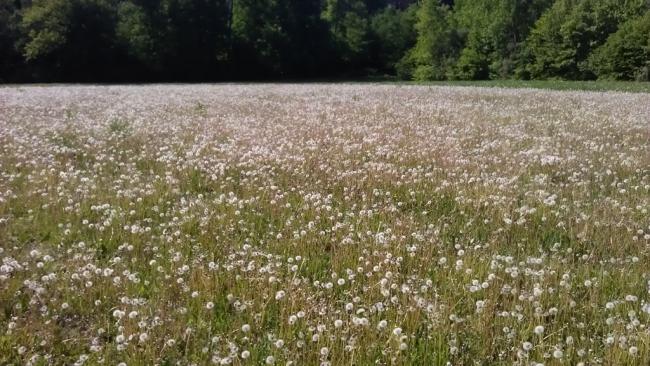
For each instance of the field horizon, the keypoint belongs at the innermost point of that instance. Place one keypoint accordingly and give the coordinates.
(558, 85)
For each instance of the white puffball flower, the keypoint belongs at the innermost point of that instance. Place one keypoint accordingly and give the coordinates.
(382, 324)
(143, 337)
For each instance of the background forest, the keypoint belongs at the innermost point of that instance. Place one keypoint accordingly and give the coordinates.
(211, 40)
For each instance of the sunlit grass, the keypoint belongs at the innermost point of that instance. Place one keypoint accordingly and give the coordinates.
(600, 85)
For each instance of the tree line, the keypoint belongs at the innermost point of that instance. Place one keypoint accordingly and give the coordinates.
(210, 40)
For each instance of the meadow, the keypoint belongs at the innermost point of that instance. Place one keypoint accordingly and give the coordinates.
(323, 224)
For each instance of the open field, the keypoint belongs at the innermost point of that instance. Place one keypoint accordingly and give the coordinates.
(323, 224)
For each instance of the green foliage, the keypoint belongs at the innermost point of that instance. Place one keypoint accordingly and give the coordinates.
(278, 37)
(256, 31)
(394, 34)
(348, 22)
(494, 32)
(626, 54)
(68, 33)
(547, 59)
(479, 39)
(136, 32)
(46, 24)
(484, 24)
(433, 49)
(125, 40)
(562, 40)
(472, 65)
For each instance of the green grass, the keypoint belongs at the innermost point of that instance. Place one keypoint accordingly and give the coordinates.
(622, 86)
(591, 85)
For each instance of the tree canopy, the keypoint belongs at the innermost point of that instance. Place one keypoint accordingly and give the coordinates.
(210, 40)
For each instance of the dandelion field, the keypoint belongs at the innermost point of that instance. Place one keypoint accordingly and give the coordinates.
(323, 225)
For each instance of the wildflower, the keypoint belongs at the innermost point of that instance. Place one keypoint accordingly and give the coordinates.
(143, 337)
(382, 325)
